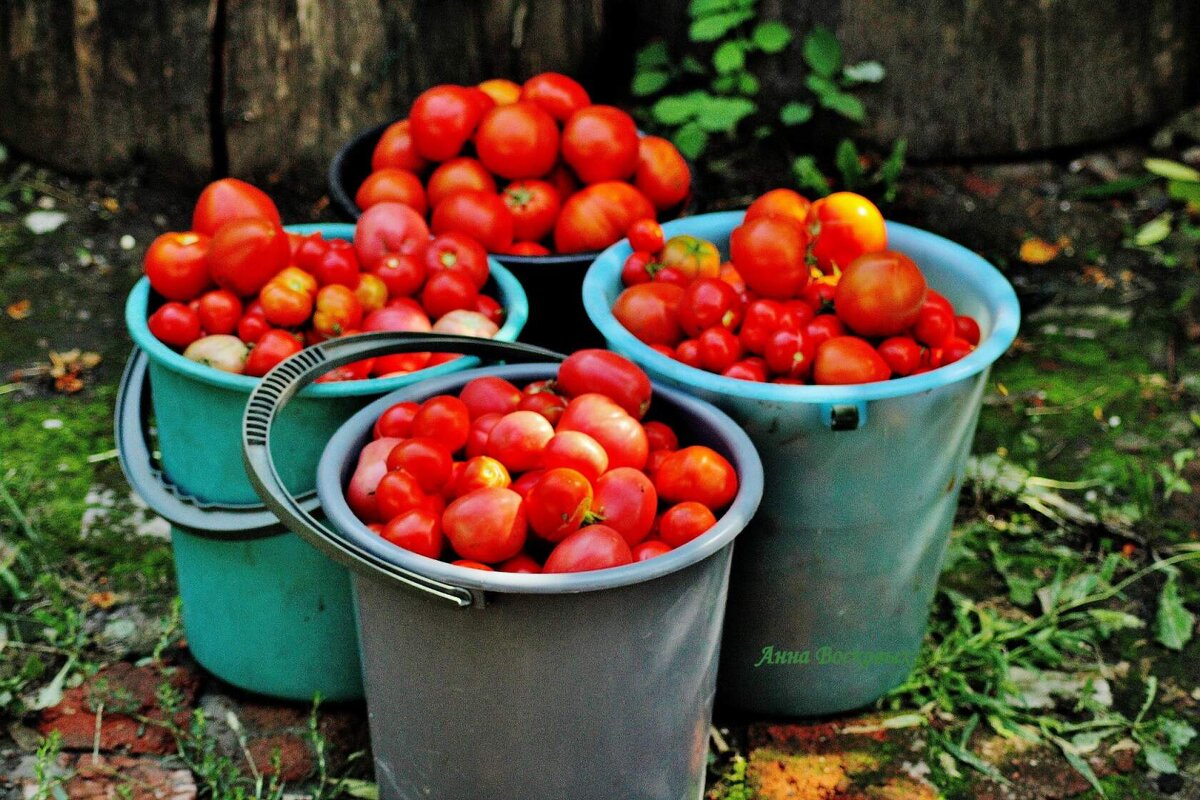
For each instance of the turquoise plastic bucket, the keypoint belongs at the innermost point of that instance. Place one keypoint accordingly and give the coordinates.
(198, 410)
(832, 582)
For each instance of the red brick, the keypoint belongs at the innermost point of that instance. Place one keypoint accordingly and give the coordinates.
(108, 777)
(295, 756)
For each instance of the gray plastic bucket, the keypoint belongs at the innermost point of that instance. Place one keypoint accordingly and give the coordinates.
(587, 686)
(832, 582)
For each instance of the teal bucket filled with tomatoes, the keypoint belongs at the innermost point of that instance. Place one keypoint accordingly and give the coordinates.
(220, 306)
(855, 353)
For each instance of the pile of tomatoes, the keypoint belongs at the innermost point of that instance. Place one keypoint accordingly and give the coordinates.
(562, 475)
(525, 168)
(810, 295)
(242, 294)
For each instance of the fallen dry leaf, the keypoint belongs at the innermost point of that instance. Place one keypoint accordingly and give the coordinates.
(102, 599)
(1038, 251)
(20, 309)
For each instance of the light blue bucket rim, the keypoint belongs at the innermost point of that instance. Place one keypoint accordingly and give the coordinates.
(512, 295)
(992, 288)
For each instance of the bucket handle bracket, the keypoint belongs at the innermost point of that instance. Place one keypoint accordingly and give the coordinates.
(845, 416)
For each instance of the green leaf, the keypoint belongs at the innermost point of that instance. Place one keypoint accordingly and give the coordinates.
(1184, 191)
(771, 37)
(1172, 170)
(971, 760)
(1108, 620)
(821, 86)
(1174, 624)
(653, 56)
(693, 65)
(848, 164)
(724, 84)
(730, 56)
(808, 177)
(822, 52)
(649, 82)
(1158, 759)
(3, 154)
(1153, 231)
(704, 8)
(356, 787)
(847, 105)
(864, 72)
(747, 84)
(1081, 765)
(1111, 188)
(890, 169)
(722, 114)
(1179, 733)
(691, 140)
(795, 113)
(709, 29)
(677, 109)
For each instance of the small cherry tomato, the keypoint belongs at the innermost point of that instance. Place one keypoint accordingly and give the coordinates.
(175, 324)
(719, 348)
(709, 302)
(762, 319)
(790, 353)
(901, 353)
(683, 522)
(967, 329)
(953, 349)
(253, 324)
(646, 234)
(659, 436)
(638, 268)
(688, 352)
(824, 327)
(934, 324)
(649, 549)
(748, 369)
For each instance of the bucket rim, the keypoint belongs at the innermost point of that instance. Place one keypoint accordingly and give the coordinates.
(346, 524)
(993, 288)
(512, 295)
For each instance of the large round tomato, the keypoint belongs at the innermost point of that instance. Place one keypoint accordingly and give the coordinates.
(625, 499)
(609, 374)
(534, 206)
(578, 451)
(845, 225)
(518, 439)
(246, 253)
(650, 311)
(457, 252)
(780, 203)
(593, 547)
(418, 530)
(391, 186)
(691, 255)
(599, 215)
(517, 141)
(175, 324)
(849, 359)
(442, 119)
(600, 143)
(490, 395)
(559, 95)
(456, 175)
(271, 348)
(487, 525)
(769, 252)
(395, 149)
(696, 473)
(481, 215)
(372, 466)
(558, 503)
(880, 294)
(177, 265)
(389, 229)
(662, 174)
(621, 436)
(229, 199)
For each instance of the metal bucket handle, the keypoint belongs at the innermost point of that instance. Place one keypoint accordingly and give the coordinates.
(225, 521)
(287, 378)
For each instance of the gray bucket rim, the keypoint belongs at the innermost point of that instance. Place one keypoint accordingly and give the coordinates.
(986, 281)
(345, 524)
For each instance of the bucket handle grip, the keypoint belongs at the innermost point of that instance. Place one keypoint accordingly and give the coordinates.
(281, 384)
(224, 521)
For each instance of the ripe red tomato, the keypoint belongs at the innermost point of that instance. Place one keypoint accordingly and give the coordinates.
(446, 291)
(638, 268)
(621, 436)
(598, 215)
(501, 90)
(481, 428)
(600, 143)
(527, 249)
(518, 439)
(418, 530)
(253, 324)
(934, 325)
(719, 348)
(517, 141)
(550, 406)
(790, 353)
(660, 436)
(337, 311)
(650, 549)
(271, 348)
(953, 349)
(559, 95)
(849, 359)
(692, 256)
(445, 419)
(396, 421)
(523, 564)
(748, 369)
(284, 306)
(593, 547)
(175, 324)
(709, 302)
(391, 186)
(880, 294)
(399, 492)
(398, 318)
(177, 265)
(219, 311)
(481, 472)
(626, 501)
(246, 253)
(389, 229)
(967, 329)
(481, 215)
(845, 225)
(608, 373)
(769, 252)
(337, 264)
(662, 174)
(442, 119)
(762, 320)
(901, 353)
(578, 451)
(489, 395)
(683, 522)
(468, 564)
(646, 234)
(229, 199)
(427, 460)
(824, 327)
(486, 525)
(372, 466)
(558, 503)
(650, 311)
(696, 473)
(395, 149)
(458, 175)
(534, 206)
(780, 203)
